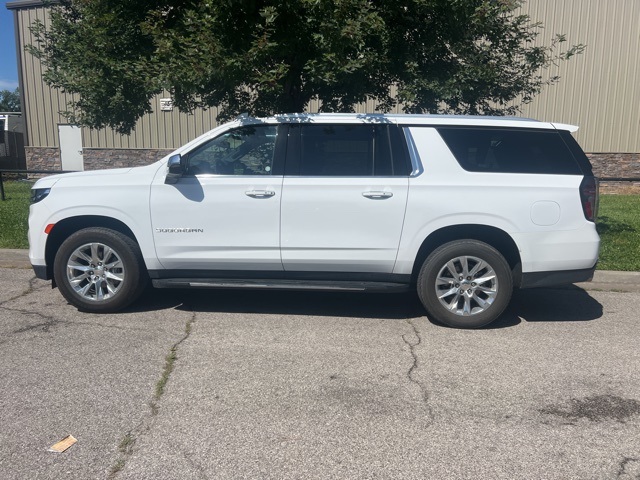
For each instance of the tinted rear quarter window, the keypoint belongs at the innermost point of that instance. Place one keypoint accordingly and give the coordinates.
(512, 150)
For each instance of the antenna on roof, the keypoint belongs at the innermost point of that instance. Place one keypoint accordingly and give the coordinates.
(242, 116)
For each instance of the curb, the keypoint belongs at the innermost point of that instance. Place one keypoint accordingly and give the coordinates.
(13, 258)
(603, 280)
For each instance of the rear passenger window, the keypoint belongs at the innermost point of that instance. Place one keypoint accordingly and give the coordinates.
(346, 151)
(501, 150)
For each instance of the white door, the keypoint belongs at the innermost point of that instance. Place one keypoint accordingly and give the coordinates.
(342, 225)
(344, 210)
(224, 214)
(70, 137)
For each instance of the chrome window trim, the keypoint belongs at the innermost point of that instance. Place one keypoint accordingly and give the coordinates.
(416, 164)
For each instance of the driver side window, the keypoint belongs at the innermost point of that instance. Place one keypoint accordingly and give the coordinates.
(244, 151)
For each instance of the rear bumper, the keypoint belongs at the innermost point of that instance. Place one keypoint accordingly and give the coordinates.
(557, 278)
(41, 272)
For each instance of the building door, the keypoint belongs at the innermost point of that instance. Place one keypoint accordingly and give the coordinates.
(71, 147)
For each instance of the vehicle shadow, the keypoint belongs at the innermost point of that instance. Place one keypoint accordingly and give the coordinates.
(562, 304)
(567, 304)
(276, 302)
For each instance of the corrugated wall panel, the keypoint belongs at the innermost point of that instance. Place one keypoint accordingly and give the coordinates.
(42, 105)
(599, 90)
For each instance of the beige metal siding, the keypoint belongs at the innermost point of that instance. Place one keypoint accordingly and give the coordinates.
(43, 106)
(41, 103)
(600, 89)
(156, 130)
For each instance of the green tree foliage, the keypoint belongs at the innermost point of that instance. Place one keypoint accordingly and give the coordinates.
(266, 56)
(10, 101)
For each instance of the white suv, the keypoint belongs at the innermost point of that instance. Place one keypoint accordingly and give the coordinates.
(463, 209)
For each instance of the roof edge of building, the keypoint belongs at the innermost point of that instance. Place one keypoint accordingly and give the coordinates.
(20, 4)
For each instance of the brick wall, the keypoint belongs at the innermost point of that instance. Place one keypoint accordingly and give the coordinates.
(100, 158)
(48, 158)
(615, 165)
(42, 158)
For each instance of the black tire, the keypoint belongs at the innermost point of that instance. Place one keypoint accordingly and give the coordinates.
(455, 299)
(99, 270)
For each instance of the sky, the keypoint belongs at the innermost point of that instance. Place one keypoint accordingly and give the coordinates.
(8, 64)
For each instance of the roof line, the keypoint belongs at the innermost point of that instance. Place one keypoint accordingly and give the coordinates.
(19, 4)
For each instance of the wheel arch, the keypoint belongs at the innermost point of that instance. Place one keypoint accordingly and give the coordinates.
(68, 226)
(497, 238)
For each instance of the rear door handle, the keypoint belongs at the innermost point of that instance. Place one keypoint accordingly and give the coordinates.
(260, 193)
(377, 195)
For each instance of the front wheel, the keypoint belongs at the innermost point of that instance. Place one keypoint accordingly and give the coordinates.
(465, 284)
(99, 270)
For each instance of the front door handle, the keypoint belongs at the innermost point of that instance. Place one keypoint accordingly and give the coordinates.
(260, 193)
(377, 195)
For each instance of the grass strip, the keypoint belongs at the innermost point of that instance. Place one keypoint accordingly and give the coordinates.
(14, 212)
(619, 229)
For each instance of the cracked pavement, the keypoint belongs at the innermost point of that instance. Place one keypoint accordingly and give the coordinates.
(313, 385)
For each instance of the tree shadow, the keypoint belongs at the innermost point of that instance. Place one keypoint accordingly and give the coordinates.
(608, 225)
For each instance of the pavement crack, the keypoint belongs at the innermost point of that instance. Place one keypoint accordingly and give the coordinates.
(413, 340)
(197, 466)
(169, 363)
(49, 321)
(126, 447)
(623, 474)
(31, 287)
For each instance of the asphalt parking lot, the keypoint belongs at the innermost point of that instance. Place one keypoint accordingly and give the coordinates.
(286, 385)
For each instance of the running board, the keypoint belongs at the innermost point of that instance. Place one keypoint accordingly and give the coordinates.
(277, 284)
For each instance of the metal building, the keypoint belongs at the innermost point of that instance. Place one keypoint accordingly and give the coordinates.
(599, 90)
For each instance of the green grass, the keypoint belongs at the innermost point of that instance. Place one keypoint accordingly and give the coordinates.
(14, 212)
(619, 228)
(618, 225)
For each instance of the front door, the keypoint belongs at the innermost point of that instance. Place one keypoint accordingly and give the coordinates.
(224, 213)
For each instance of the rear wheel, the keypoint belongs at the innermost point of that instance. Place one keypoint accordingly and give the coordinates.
(465, 284)
(99, 270)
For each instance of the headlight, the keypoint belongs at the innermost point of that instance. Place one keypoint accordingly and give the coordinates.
(38, 194)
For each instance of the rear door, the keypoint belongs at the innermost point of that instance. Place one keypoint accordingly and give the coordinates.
(344, 198)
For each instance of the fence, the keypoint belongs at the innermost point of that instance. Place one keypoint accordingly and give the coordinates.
(12, 154)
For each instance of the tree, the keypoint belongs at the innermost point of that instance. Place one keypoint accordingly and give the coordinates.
(266, 56)
(10, 101)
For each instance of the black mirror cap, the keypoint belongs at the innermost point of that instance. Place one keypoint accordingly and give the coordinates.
(175, 169)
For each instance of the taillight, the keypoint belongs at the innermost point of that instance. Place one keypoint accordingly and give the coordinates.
(589, 196)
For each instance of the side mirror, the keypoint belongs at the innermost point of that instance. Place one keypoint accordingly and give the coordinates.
(175, 169)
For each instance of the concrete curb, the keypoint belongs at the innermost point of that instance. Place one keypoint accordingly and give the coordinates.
(12, 258)
(603, 279)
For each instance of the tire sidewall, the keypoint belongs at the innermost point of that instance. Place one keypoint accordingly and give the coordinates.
(472, 248)
(124, 247)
